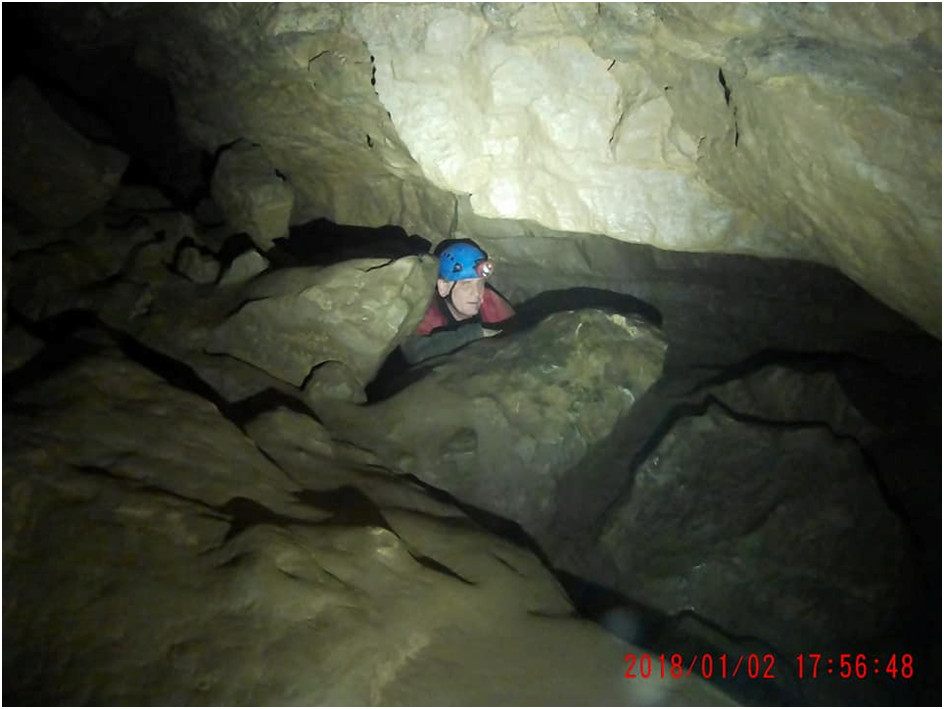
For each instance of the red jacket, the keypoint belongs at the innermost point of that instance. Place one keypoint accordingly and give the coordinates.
(495, 309)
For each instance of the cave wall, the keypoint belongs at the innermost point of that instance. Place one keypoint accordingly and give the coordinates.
(484, 102)
(775, 130)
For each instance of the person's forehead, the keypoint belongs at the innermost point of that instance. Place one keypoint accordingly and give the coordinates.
(469, 281)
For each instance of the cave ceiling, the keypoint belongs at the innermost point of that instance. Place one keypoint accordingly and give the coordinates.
(795, 131)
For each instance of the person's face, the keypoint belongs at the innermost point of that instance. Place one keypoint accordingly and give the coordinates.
(465, 298)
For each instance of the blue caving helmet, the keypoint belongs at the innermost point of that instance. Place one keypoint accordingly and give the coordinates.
(461, 261)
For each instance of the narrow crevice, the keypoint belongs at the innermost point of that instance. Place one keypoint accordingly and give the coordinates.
(379, 266)
(323, 243)
(347, 504)
(506, 564)
(207, 510)
(724, 85)
(430, 563)
(245, 410)
(316, 57)
(616, 127)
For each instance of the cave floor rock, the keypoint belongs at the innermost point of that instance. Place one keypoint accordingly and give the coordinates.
(154, 553)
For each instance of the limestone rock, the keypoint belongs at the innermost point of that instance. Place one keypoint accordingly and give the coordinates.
(142, 566)
(781, 394)
(253, 197)
(244, 267)
(61, 177)
(157, 238)
(805, 94)
(741, 129)
(197, 266)
(499, 423)
(561, 140)
(67, 271)
(88, 428)
(96, 265)
(354, 312)
(320, 120)
(776, 531)
(333, 380)
(301, 446)
(283, 428)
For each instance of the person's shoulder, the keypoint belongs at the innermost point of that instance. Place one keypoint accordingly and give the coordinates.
(432, 320)
(495, 307)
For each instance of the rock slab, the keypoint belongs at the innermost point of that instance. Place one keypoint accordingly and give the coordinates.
(354, 313)
(154, 555)
(252, 195)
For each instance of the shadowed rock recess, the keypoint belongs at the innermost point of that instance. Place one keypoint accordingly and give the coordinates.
(709, 437)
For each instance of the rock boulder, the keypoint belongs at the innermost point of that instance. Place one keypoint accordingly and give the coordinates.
(499, 423)
(354, 312)
(254, 198)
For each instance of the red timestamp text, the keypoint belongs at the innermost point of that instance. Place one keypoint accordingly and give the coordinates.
(847, 665)
(704, 665)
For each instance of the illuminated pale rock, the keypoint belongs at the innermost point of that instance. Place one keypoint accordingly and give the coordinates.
(797, 131)
(539, 127)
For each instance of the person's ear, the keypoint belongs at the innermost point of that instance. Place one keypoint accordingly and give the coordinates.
(443, 287)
